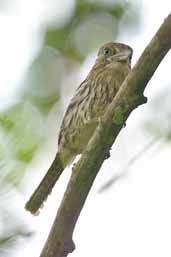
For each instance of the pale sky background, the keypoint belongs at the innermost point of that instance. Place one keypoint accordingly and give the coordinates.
(134, 217)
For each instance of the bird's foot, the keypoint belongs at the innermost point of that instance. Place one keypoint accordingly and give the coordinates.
(107, 155)
(124, 125)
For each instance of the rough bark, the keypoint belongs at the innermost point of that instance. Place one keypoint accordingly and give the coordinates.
(130, 96)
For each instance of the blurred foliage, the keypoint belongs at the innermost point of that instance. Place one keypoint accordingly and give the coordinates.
(23, 126)
(92, 24)
(43, 79)
(24, 123)
(13, 226)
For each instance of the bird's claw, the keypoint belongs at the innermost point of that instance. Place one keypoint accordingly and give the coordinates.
(107, 155)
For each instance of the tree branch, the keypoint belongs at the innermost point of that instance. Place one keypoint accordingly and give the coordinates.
(130, 96)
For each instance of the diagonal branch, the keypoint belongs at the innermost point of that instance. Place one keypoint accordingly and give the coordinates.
(130, 96)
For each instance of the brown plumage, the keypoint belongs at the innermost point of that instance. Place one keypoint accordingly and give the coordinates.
(89, 103)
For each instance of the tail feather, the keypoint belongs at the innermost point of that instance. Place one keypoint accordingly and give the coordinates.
(45, 187)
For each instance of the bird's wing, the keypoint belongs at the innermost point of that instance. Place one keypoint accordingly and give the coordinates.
(81, 94)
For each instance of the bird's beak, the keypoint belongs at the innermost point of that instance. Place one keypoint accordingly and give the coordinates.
(124, 56)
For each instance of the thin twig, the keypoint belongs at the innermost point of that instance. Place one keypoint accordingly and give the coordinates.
(128, 165)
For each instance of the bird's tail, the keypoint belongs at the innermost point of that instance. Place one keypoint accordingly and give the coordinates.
(45, 187)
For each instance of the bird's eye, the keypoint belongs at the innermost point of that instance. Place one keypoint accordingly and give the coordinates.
(106, 51)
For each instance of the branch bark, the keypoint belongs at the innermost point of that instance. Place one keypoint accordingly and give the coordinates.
(130, 96)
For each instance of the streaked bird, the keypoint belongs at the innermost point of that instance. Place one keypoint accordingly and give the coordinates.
(89, 103)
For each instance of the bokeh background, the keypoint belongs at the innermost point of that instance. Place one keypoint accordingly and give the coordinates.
(46, 50)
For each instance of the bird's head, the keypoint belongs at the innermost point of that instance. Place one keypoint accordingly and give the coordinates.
(115, 52)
